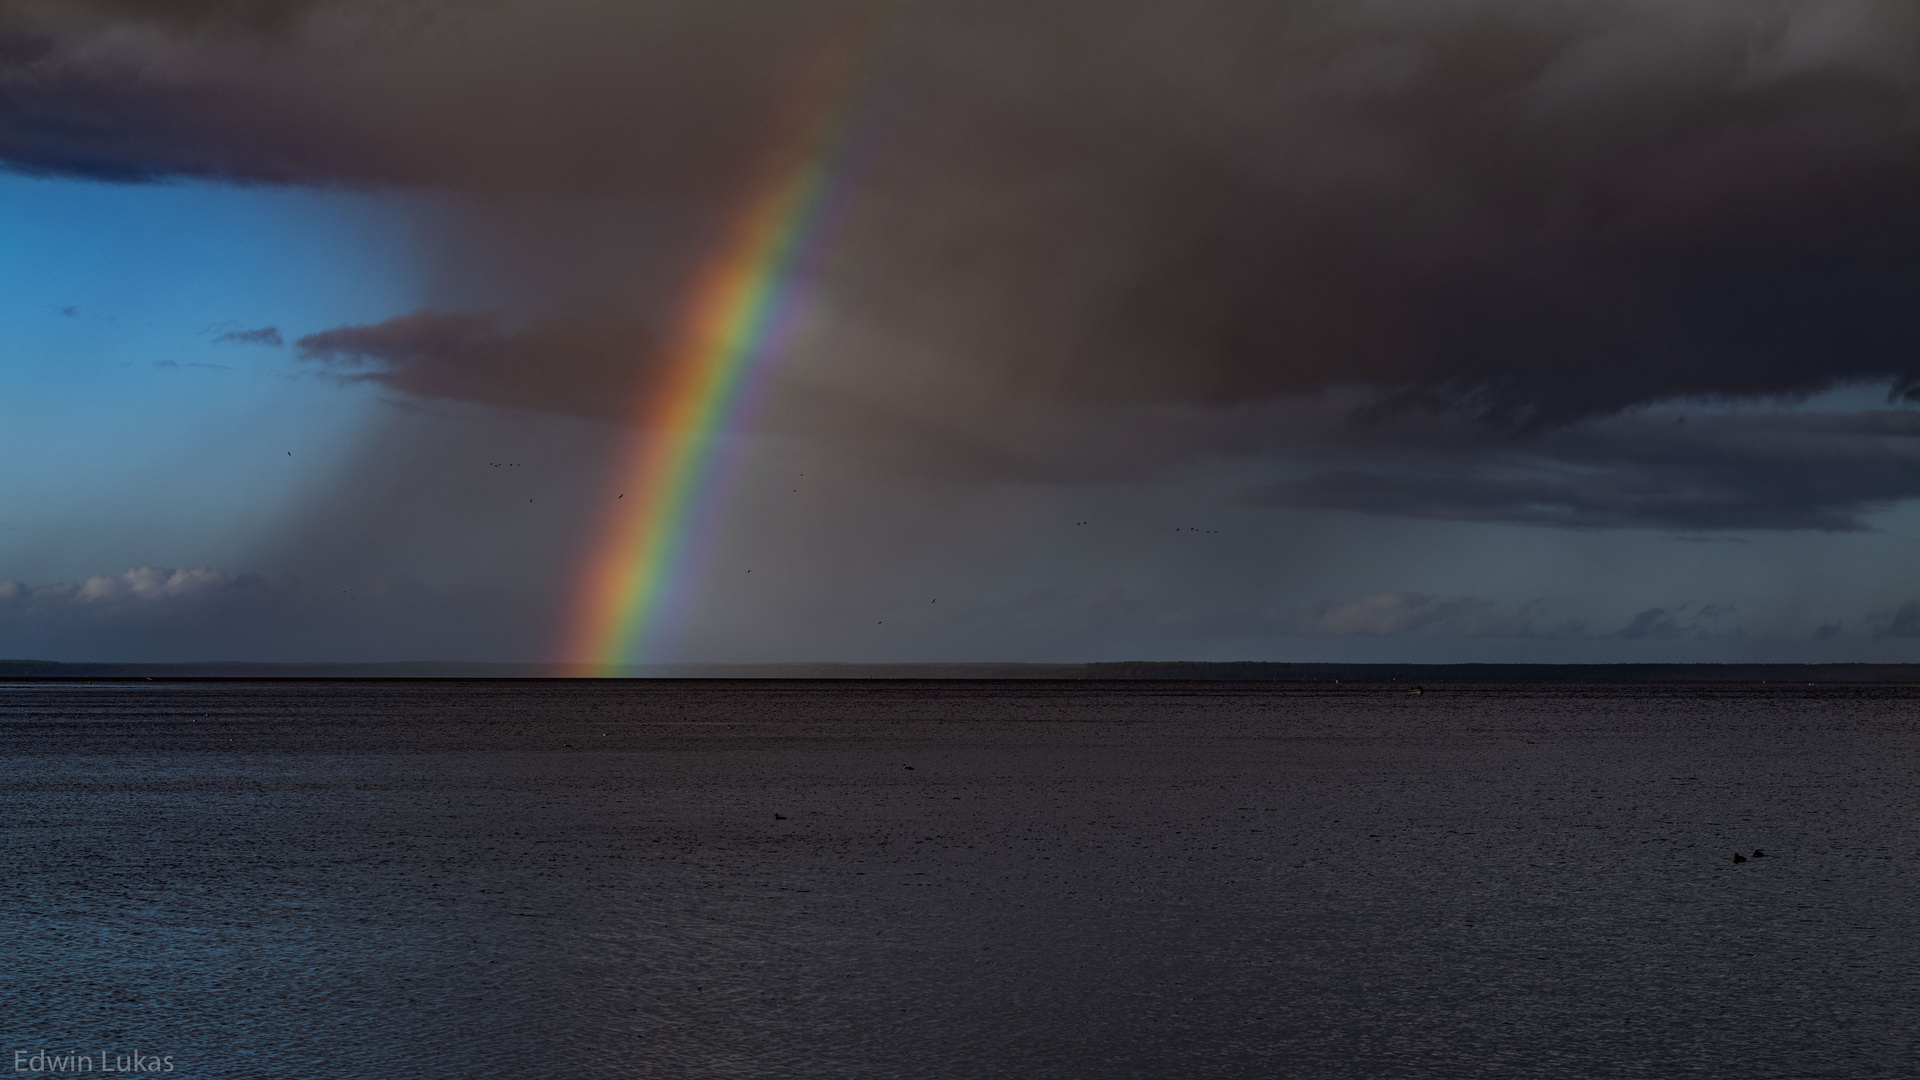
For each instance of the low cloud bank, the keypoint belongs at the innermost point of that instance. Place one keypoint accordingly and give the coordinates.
(1902, 622)
(1418, 613)
(1650, 470)
(152, 586)
(1533, 213)
(207, 613)
(1398, 613)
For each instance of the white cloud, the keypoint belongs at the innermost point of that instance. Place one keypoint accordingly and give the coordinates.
(150, 587)
(155, 583)
(157, 613)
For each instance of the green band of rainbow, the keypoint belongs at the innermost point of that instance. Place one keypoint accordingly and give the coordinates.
(743, 307)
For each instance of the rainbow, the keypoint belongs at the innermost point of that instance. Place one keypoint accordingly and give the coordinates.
(742, 309)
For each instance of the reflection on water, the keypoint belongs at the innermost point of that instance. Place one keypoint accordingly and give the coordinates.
(1086, 880)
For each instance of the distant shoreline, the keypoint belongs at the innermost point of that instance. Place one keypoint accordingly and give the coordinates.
(1132, 670)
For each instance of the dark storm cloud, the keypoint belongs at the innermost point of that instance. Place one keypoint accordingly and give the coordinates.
(1685, 621)
(1540, 211)
(467, 356)
(1412, 613)
(257, 15)
(1902, 623)
(1657, 624)
(1531, 216)
(1823, 471)
(525, 100)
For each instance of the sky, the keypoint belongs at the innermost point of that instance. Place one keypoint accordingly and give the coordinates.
(1435, 331)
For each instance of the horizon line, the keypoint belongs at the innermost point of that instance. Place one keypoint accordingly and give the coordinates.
(1105, 671)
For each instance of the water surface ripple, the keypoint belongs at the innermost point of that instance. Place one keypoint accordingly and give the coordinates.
(661, 879)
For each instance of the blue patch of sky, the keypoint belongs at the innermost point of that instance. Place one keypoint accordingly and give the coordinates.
(130, 435)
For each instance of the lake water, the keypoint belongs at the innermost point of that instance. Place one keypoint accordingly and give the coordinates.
(360, 879)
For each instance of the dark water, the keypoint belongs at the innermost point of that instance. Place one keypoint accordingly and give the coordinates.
(1074, 880)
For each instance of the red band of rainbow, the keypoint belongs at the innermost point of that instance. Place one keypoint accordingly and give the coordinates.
(743, 307)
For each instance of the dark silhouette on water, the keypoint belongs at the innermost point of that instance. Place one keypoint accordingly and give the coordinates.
(1739, 858)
